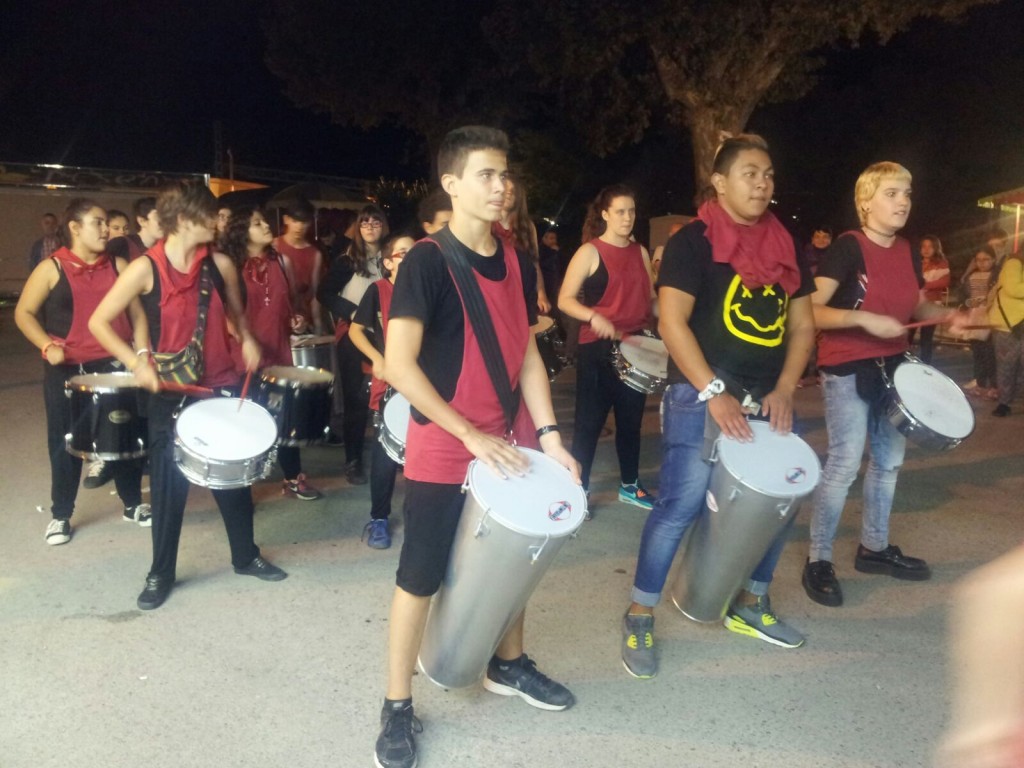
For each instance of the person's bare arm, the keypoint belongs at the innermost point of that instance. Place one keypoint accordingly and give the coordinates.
(533, 379)
(778, 404)
(133, 281)
(582, 265)
(26, 315)
(357, 333)
(251, 352)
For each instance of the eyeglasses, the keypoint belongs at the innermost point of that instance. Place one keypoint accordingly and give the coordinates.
(372, 224)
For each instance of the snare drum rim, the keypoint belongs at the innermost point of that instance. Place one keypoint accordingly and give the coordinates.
(77, 383)
(761, 425)
(102, 455)
(287, 383)
(929, 436)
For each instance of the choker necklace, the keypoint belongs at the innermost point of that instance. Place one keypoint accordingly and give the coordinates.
(880, 234)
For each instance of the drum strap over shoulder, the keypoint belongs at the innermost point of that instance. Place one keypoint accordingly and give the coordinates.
(476, 310)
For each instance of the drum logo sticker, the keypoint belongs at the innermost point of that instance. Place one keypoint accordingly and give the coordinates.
(119, 417)
(559, 511)
(709, 499)
(796, 475)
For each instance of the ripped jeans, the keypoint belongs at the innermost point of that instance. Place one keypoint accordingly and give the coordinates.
(850, 425)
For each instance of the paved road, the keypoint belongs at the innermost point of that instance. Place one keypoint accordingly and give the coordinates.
(237, 672)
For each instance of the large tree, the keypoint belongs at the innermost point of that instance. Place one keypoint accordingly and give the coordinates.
(604, 71)
(616, 65)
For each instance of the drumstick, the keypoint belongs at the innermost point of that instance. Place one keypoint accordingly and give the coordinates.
(925, 323)
(185, 389)
(245, 389)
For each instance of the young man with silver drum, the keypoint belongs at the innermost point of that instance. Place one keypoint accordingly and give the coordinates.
(735, 315)
(434, 358)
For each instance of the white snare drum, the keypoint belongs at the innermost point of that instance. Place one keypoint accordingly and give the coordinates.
(394, 425)
(509, 533)
(548, 342)
(642, 363)
(754, 490)
(216, 445)
(928, 407)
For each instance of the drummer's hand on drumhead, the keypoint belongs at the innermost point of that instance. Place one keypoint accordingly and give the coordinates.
(146, 377)
(728, 415)
(881, 326)
(503, 459)
(299, 323)
(551, 444)
(777, 405)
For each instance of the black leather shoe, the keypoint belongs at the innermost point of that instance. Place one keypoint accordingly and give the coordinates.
(155, 593)
(893, 562)
(262, 569)
(821, 584)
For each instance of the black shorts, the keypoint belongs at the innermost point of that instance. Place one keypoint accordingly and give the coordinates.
(431, 512)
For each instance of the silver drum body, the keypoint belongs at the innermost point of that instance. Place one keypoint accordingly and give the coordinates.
(928, 407)
(642, 363)
(218, 445)
(313, 352)
(510, 532)
(754, 491)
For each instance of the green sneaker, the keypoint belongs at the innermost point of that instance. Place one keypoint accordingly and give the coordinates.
(636, 494)
(638, 655)
(759, 621)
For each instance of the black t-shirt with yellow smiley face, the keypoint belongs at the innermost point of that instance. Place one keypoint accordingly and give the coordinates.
(741, 331)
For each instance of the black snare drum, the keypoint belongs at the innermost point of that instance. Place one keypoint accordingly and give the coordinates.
(300, 400)
(108, 417)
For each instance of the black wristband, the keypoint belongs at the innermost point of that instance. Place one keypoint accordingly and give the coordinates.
(549, 428)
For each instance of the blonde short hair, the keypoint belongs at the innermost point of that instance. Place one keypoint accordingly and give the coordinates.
(871, 179)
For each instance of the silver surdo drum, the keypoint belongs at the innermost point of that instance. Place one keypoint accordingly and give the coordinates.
(219, 445)
(509, 533)
(313, 352)
(755, 489)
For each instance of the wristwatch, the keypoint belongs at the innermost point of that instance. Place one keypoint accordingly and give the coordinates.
(714, 388)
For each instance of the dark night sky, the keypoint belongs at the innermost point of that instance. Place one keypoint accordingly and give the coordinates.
(140, 86)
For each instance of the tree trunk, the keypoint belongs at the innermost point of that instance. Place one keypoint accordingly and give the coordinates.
(706, 125)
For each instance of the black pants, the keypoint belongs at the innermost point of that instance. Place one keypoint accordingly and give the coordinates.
(65, 469)
(383, 470)
(984, 354)
(170, 493)
(599, 390)
(289, 460)
(355, 396)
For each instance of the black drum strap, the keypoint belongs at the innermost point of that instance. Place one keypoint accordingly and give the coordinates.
(480, 319)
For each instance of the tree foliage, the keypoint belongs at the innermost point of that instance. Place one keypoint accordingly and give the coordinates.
(599, 73)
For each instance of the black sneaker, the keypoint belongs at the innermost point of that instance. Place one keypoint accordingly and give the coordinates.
(396, 745)
(522, 678)
(354, 472)
(820, 583)
(100, 473)
(893, 562)
(58, 532)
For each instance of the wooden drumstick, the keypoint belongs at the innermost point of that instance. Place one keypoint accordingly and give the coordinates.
(185, 389)
(245, 389)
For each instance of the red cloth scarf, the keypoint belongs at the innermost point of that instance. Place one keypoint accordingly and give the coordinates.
(762, 253)
(70, 260)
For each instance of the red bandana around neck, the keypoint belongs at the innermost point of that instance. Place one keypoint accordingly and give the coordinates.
(762, 253)
(71, 259)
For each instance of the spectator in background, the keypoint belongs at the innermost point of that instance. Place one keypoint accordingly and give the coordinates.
(118, 224)
(977, 283)
(1006, 315)
(935, 269)
(131, 246)
(550, 262)
(821, 239)
(434, 211)
(999, 241)
(44, 247)
(660, 250)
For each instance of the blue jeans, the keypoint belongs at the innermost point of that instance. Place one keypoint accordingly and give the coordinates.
(850, 424)
(684, 480)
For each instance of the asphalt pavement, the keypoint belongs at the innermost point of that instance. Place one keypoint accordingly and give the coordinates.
(233, 671)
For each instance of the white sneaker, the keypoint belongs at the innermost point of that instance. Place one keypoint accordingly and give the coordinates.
(139, 514)
(58, 532)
